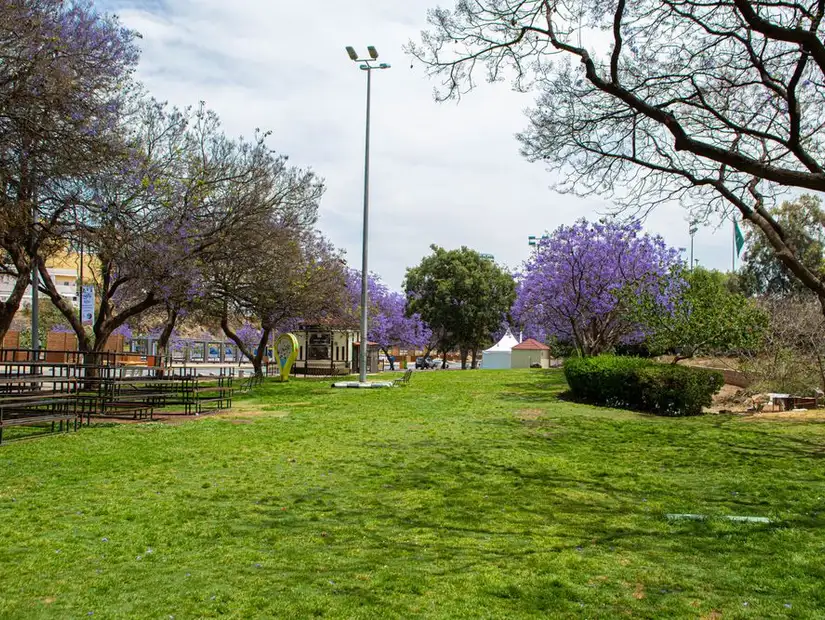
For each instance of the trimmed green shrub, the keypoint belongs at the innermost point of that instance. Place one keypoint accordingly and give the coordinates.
(643, 385)
(605, 380)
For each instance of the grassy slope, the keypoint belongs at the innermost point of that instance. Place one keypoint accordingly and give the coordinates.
(475, 494)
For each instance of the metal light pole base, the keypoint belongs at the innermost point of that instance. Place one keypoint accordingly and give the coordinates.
(362, 385)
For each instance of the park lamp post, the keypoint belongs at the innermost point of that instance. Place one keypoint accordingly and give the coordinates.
(368, 65)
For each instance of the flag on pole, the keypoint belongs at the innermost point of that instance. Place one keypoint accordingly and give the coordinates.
(739, 238)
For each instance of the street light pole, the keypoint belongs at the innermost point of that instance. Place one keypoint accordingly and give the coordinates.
(368, 66)
(362, 367)
(692, 229)
(35, 305)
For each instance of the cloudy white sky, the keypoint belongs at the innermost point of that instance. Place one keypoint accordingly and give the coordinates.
(449, 174)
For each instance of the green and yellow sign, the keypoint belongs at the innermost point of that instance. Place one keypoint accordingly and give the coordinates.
(286, 348)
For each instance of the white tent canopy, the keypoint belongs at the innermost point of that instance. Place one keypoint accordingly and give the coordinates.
(497, 357)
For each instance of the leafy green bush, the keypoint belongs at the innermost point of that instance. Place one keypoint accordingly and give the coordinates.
(605, 380)
(677, 390)
(644, 385)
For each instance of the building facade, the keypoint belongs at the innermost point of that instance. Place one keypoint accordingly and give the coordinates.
(63, 269)
(64, 279)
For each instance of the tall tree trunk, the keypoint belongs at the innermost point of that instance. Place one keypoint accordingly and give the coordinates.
(821, 369)
(10, 307)
(168, 327)
(463, 353)
(474, 358)
(390, 358)
(257, 357)
(257, 362)
(84, 343)
(106, 321)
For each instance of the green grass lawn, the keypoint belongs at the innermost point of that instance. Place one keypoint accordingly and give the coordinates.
(465, 495)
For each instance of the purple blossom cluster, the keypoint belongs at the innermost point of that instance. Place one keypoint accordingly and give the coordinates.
(123, 330)
(249, 335)
(389, 324)
(578, 282)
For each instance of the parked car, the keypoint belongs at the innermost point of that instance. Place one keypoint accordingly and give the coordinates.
(423, 363)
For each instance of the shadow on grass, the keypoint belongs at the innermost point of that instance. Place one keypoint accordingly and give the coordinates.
(32, 431)
(482, 514)
(539, 386)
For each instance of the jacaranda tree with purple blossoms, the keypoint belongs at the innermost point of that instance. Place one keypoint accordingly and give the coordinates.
(389, 324)
(288, 275)
(578, 282)
(64, 76)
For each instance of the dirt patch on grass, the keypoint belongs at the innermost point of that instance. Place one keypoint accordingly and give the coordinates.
(250, 412)
(529, 414)
(796, 416)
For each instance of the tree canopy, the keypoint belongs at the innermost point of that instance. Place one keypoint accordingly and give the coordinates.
(577, 284)
(65, 72)
(389, 324)
(180, 219)
(719, 105)
(803, 221)
(462, 296)
(704, 316)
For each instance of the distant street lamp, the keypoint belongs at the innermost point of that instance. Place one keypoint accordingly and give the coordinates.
(692, 229)
(368, 65)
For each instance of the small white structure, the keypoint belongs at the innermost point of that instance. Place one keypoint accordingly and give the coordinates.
(530, 352)
(498, 356)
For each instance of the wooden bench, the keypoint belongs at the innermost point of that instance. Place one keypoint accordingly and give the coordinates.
(405, 380)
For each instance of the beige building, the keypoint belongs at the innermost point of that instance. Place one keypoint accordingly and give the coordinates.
(530, 352)
(63, 268)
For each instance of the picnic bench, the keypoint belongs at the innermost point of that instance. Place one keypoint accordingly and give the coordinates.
(141, 392)
(251, 382)
(210, 395)
(405, 380)
(31, 405)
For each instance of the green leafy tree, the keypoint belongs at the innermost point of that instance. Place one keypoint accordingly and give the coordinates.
(707, 317)
(803, 221)
(462, 296)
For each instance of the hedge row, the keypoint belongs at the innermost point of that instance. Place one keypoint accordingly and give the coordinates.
(642, 385)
